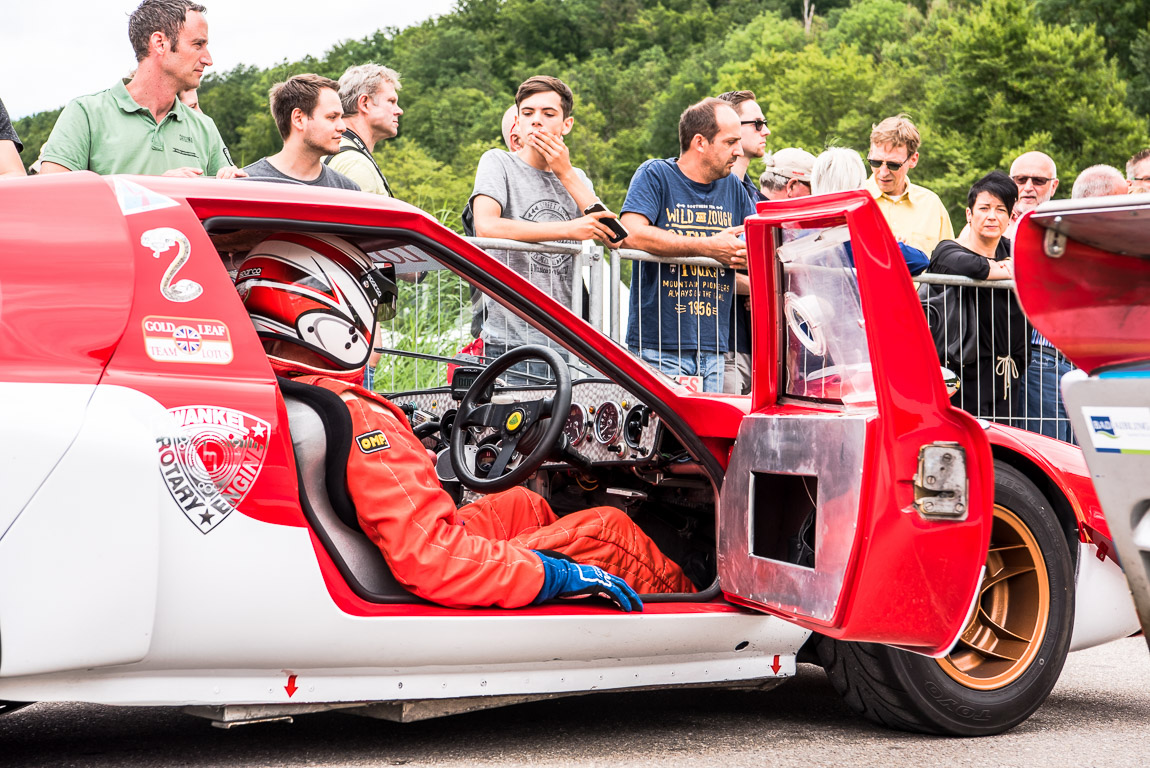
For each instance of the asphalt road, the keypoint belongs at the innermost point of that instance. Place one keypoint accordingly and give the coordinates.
(1096, 716)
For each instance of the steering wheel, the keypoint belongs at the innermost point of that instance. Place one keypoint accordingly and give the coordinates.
(514, 423)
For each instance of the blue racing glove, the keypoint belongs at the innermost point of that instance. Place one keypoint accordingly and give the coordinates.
(566, 578)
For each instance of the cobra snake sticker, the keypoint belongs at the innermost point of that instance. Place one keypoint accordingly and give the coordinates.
(159, 241)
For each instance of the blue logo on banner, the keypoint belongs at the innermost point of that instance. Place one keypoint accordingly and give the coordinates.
(1102, 425)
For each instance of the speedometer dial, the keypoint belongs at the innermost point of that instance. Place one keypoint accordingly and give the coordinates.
(576, 426)
(608, 423)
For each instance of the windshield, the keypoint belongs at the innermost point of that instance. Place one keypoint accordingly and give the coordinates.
(443, 322)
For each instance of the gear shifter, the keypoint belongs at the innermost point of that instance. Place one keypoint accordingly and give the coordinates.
(572, 456)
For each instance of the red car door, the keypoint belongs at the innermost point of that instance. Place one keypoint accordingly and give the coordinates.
(857, 501)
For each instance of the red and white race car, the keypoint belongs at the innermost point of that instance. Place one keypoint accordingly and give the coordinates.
(166, 535)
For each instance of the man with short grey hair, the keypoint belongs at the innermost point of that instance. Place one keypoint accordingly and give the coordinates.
(1099, 181)
(788, 174)
(370, 99)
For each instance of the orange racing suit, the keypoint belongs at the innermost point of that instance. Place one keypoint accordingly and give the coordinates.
(480, 554)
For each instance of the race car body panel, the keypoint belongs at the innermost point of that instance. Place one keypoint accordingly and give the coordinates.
(79, 566)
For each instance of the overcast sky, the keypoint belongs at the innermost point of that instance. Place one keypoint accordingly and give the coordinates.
(54, 50)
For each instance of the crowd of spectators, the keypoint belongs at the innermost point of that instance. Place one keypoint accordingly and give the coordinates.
(688, 320)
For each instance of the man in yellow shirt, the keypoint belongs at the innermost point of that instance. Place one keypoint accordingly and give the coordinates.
(915, 214)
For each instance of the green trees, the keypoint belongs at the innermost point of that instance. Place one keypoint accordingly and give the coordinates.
(983, 80)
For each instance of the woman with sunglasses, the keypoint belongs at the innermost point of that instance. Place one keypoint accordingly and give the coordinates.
(989, 385)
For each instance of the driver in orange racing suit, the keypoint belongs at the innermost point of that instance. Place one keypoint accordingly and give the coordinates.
(314, 301)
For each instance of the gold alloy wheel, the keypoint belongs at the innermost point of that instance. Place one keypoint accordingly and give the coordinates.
(1009, 623)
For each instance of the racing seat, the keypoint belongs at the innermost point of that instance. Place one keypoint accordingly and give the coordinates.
(321, 438)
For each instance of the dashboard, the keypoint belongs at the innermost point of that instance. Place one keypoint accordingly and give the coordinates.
(605, 423)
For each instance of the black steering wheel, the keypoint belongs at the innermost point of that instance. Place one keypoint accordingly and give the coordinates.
(516, 425)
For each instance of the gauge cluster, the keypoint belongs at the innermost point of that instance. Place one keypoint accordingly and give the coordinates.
(605, 423)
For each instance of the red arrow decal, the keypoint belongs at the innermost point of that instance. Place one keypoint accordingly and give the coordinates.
(775, 665)
(291, 687)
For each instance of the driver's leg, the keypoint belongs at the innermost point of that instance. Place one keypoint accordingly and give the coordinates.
(602, 536)
(608, 538)
(503, 516)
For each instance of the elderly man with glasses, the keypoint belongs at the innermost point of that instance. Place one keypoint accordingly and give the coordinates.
(1037, 180)
(915, 214)
(1040, 405)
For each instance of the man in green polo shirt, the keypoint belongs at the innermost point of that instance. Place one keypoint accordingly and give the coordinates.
(140, 126)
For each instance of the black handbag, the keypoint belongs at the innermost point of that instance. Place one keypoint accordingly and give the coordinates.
(953, 322)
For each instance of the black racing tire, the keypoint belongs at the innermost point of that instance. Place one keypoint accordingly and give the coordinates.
(1010, 654)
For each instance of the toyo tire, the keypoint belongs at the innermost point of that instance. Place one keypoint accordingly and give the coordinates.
(1010, 654)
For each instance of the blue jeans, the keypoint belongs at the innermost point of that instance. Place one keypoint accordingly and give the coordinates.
(707, 365)
(1041, 396)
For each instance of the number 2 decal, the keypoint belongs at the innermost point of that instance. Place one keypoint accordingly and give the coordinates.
(161, 240)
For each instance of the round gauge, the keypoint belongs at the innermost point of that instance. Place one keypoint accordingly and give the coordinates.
(608, 423)
(576, 426)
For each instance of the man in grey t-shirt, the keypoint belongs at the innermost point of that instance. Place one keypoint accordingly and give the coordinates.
(309, 116)
(534, 195)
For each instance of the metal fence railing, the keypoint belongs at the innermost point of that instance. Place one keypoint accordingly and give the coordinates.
(1006, 372)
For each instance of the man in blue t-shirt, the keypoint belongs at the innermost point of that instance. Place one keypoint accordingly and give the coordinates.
(688, 207)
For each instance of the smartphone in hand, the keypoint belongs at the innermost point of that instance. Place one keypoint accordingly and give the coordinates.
(617, 230)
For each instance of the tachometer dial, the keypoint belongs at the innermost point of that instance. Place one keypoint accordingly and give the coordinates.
(576, 426)
(608, 423)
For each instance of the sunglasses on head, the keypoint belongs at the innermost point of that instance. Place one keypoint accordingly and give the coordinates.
(1039, 181)
(876, 164)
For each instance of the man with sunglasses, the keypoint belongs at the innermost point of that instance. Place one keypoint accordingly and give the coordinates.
(753, 133)
(1036, 176)
(1037, 180)
(915, 214)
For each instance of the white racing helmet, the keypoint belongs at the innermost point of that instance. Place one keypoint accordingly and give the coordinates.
(319, 292)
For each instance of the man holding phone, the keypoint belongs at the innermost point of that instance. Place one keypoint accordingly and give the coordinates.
(535, 195)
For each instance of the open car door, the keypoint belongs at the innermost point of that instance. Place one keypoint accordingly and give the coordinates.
(857, 502)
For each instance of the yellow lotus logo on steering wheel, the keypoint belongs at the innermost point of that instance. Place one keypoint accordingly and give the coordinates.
(514, 421)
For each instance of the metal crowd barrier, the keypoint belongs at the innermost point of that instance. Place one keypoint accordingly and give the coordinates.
(1001, 383)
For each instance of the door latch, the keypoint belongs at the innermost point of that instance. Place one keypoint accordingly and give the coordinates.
(940, 485)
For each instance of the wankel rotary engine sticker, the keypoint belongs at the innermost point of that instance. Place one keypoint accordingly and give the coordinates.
(187, 340)
(212, 461)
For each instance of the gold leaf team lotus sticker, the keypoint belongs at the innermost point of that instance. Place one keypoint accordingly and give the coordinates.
(212, 461)
(187, 340)
(370, 442)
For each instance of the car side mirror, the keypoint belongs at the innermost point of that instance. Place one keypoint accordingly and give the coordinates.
(950, 379)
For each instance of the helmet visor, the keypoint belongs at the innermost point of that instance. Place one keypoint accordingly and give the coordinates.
(379, 285)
